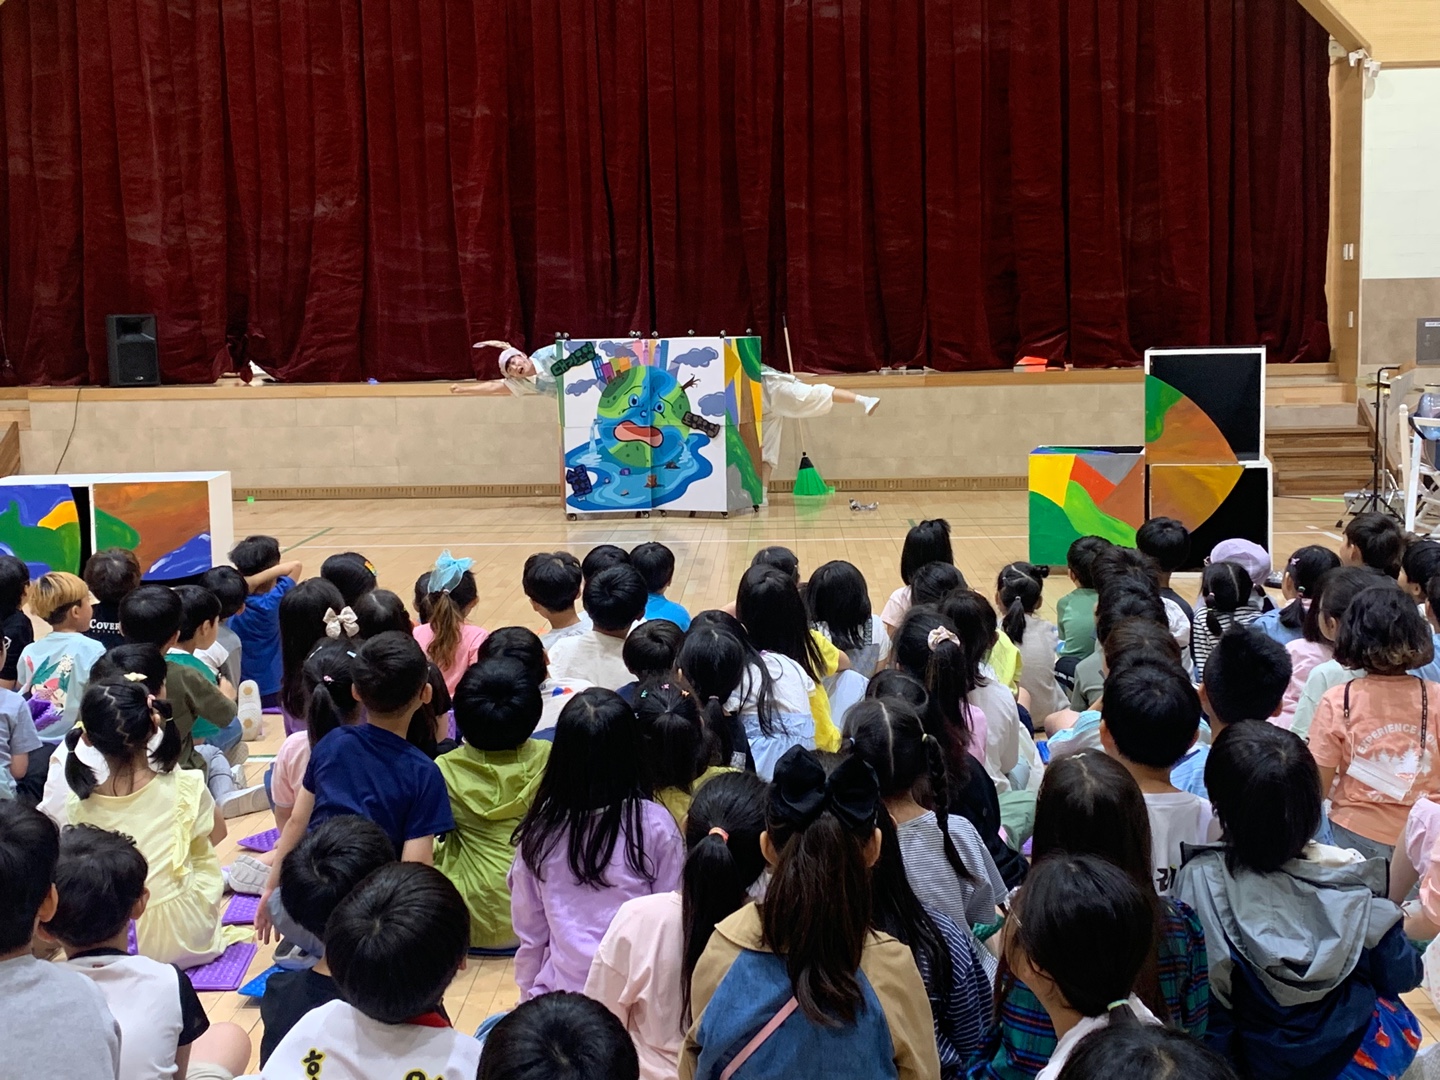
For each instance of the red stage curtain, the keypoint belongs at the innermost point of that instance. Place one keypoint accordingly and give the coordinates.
(360, 188)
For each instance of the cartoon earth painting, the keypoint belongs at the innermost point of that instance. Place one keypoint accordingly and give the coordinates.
(640, 452)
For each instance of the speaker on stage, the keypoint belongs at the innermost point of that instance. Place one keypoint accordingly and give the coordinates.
(134, 353)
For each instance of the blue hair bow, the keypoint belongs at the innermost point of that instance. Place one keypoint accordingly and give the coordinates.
(448, 572)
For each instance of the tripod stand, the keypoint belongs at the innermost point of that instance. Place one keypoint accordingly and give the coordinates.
(1383, 490)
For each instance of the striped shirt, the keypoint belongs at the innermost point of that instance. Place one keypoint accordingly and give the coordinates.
(962, 1009)
(1023, 1039)
(939, 887)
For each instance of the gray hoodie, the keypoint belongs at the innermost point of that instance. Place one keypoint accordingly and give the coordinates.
(1296, 928)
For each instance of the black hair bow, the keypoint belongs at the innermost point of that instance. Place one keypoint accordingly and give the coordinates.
(802, 792)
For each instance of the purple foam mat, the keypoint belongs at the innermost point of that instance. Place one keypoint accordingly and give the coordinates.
(261, 841)
(241, 911)
(132, 943)
(225, 972)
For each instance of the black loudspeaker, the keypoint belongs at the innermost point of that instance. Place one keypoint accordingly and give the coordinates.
(134, 353)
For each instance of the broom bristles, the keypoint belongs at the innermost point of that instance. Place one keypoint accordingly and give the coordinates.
(808, 481)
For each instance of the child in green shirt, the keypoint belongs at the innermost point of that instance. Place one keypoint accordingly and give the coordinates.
(492, 779)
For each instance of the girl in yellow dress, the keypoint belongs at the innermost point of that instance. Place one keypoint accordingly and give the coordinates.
(168, 811)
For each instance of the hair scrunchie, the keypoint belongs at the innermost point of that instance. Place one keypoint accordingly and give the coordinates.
(341, 622)
(448, 572)
(938, 635)
(802, 792)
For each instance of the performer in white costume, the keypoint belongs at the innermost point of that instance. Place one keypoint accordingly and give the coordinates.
(785, 396)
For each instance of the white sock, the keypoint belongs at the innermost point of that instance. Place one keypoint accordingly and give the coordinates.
(867, 403)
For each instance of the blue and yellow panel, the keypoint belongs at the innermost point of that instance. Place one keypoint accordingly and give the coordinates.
(40, 524)
(1083, 491)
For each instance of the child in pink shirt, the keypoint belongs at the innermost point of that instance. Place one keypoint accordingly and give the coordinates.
(448, 640)
(642, 970)
(1328, 598)
(1375, 738)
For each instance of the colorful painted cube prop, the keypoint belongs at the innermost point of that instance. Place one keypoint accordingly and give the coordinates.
(178, 524)
(1084, 491)
(1215, 502)
(1204, 406)
(667, 424)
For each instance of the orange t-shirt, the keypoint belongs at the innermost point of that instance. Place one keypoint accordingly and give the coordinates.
(1382, 768)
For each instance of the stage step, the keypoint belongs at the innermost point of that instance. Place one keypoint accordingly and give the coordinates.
(1319, 460)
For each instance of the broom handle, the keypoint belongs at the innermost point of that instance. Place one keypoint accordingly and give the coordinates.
(789, 356)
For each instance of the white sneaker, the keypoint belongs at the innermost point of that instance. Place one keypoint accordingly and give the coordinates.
(251, 800)
(247, 875)
(869, 404)
(237, 773)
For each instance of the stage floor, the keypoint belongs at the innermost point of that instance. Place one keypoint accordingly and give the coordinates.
(402, 538)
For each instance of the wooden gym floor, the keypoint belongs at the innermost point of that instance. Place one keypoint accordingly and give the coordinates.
(403, 537)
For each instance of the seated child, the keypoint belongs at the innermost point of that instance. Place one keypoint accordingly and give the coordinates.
(520, 644)
(680, 752)
(154, 615)
(865, 1002)
(168, 811)
(1151, 717)
(1245, 679)
(559, 1036)
(18, 738)
(226, 656)
(257, 625)
(1269, 897)
(39, 995)
(315, 877)
(1018, 592)
(330, 703)
(1300, 585)
(642, 970)
(380, 610)
(925, 543)
(1143, 1050)
(369, 769)
(112, 575)
(1130, 638)
(552, 582)
(14, 622)
(1079, 936)
(1075, 611)
(1167, 541)
(1372, 737)
(448, 639)
(649, 653)
(592, 839)
(656, 564)
(164, 1031)
(199, 630)
(602, 557)
(839, 603)
(615, 600)
(393, 946)
(57, 667)
(1376, 541)
(1321, 670)
(492, 778)
(1225, 591)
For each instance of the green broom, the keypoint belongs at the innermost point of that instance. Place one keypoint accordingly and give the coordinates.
(808, 481)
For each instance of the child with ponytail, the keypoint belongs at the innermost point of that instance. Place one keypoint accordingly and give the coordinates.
(945, 859)
(1079, 935)
(681, 754)
(1018, 593)
(1225, 588)
(449, 641)
(309, 613)
(645, 962)
(1300, 585)
(168, 811)
(928, 646)
(330, 703)
(828, 995)
(767, 693)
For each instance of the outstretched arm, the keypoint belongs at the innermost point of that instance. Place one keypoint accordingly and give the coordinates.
(487, 388)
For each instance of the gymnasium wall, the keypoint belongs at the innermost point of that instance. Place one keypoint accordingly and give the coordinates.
(943, 431)
(1400, 222)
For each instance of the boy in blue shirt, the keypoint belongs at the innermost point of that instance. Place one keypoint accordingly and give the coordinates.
(656, 564)
(257, 624)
